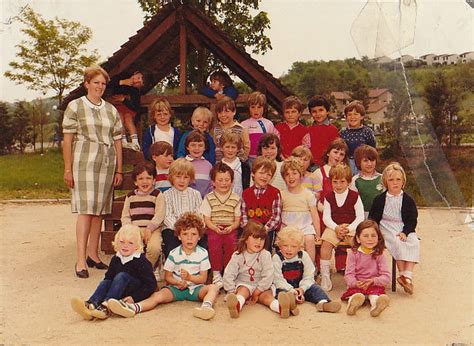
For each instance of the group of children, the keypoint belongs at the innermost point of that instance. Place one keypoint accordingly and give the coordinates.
(226, 203)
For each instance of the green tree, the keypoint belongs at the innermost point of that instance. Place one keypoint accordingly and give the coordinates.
(52, 56)
(235, 17)
(6, 139)
(21, 124)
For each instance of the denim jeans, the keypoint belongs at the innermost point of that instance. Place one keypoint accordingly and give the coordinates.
(315, 294)
(121, 286)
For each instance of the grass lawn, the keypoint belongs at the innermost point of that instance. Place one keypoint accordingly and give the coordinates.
(31, 176)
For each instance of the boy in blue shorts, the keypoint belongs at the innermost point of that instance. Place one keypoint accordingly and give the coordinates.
(185, 274)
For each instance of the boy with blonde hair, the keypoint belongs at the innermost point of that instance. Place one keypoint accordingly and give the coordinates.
(294, 273)
(200, 120)
(342, 213)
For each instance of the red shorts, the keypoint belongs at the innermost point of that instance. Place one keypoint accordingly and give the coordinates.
(376, 290)
(125, 111)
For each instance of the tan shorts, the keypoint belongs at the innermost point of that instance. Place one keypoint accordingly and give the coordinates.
(330, 236)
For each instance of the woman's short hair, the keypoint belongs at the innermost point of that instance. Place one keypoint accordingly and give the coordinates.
(93, 71)
(128, 232)
(288, 234)
(388, 171)
(181, 167)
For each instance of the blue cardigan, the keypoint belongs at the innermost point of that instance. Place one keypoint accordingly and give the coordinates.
(149, 139)
(209, 153)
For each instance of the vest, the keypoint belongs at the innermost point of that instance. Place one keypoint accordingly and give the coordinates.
(260, 209)
(293, 271)
(345, 213)
(290, 138)
(368, 190)
(144, 203)
(223, 212)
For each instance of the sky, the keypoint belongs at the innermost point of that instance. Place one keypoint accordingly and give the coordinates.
(301, 30)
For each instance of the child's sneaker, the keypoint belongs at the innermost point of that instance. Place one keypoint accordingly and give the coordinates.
(82, 308)
(355, 302)
(293, 306)
(380, 304)
(284, 302)
(204, 313)
(100, 312)
(119, 307)
(233, 305)
(328, 306)
(326, 283)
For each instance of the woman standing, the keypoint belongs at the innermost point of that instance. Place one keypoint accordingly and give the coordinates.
(92, 164)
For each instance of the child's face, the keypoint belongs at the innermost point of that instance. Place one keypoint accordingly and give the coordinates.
(162, 117)
(368, 238)
(292, 178)
(289, 248)
(367, 166)
(200, 122)
(144, 182)
(226, 117)
(216, 85)
(254, 245)
(229, 150)
(189, 239)
(127, 247)
(319, 114)
(354, 119)
(395, 183)
(291, 115)
(336, 156)
(262, 177)
(270, 152)
(137, 80)
(256, 111)
(340, 185)
(196, 149)
(223, 182)
(181, 181)
(163, 161)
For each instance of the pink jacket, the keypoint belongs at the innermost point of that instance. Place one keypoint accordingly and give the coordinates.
(361, 266)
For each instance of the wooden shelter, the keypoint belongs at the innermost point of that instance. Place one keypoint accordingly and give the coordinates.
(168, 38)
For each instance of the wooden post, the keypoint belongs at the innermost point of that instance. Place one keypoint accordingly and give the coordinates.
(182, 59)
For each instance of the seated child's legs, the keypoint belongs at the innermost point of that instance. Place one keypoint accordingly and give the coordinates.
(153, 247)
(122, 284)
(185, 294)
(315, 294)
(309, 246)
(208, 293)
(162, 296)
(266, 298)
(100, 292)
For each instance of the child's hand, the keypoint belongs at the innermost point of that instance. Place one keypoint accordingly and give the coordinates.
(254, 297)
(227, 230)
(185, 274)
(146, 235)
(317, 195)
(317, 237)
(182, 285)
(341, 231)
(320, 206)
(69, 180)
(128, 299)
(365, 284)
(128, 82)
(402, 236)
(299, 292)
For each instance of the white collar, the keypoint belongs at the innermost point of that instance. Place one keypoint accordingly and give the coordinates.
(126, 259)
(91, 105)
(189, 158)
(390, 195)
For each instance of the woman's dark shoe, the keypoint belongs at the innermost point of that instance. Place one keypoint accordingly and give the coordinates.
(83, 274)
(93, 264)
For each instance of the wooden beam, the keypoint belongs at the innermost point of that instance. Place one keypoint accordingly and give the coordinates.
(182, 59)
(149, 40)
(193, 99)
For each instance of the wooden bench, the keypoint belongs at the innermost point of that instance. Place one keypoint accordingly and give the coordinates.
(112, 221)
(345, 245)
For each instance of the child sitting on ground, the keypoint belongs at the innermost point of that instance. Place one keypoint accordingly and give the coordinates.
(145, 207)
(299, 206)
(256, 124)
(367, 272)
(221, 212)
(322, 132)
(249, 274)
(294, 272)
(343, 211)
(292, 132)
(395, 211)
(230, 145)
(185, 274)
(195, 147)
(269, 147)
(368, 182)
(162, 155)
(225, 110)
(221, 85)
(161, 130)
(356, 133)
(180, 198)
(200, 120)
(262, 202)
(129, 277)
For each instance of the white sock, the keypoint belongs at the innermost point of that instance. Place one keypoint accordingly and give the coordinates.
(134, 139)
(241, 300)
(124, 138)
(408, 274)
(275, 306)
(216, 275)
(322, 301)
(325, 267)
(206, 304)
(373, 300)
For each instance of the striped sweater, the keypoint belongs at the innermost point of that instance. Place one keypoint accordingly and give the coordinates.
(144, 209)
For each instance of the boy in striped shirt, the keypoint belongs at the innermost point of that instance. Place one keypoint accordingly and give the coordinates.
(185, 273)
(162, 155)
